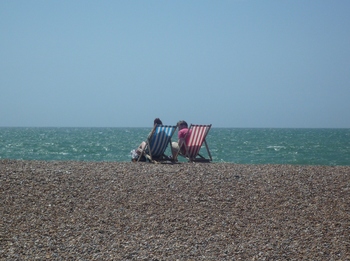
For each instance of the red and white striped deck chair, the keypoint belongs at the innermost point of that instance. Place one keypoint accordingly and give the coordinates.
(195, 138)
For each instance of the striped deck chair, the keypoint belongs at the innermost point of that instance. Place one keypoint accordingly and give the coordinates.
(157, 143)
(197, 136)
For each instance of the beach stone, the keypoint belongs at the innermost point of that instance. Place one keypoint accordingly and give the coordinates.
(188, 211)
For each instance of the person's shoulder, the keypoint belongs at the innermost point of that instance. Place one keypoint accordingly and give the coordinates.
(184, 130)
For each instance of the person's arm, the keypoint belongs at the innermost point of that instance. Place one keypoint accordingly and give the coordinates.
(149, 135)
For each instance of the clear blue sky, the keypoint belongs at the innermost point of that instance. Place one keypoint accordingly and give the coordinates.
(236, 63)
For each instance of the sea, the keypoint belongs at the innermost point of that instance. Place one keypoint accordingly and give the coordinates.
(328, 147)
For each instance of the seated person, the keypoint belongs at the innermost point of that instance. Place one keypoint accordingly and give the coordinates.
(136, 153)
(183, 129)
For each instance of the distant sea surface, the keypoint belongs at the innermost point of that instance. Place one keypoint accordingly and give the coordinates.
(234, 145)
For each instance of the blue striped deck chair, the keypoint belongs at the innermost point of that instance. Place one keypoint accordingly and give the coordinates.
(157, 143)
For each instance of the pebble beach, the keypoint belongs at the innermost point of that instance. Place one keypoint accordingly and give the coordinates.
(68, 210)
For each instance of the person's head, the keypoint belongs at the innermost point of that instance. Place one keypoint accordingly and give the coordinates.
(157, 121)
(182, 124)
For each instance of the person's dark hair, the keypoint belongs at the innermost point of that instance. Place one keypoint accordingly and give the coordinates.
(157, 121)
(182, 123)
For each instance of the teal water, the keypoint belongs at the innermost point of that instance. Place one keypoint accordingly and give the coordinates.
(235, 145)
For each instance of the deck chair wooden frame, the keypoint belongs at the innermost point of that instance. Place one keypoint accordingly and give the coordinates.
(157, 143)
(198, 134)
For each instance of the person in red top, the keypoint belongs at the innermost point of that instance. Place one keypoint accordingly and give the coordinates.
(183, 129)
